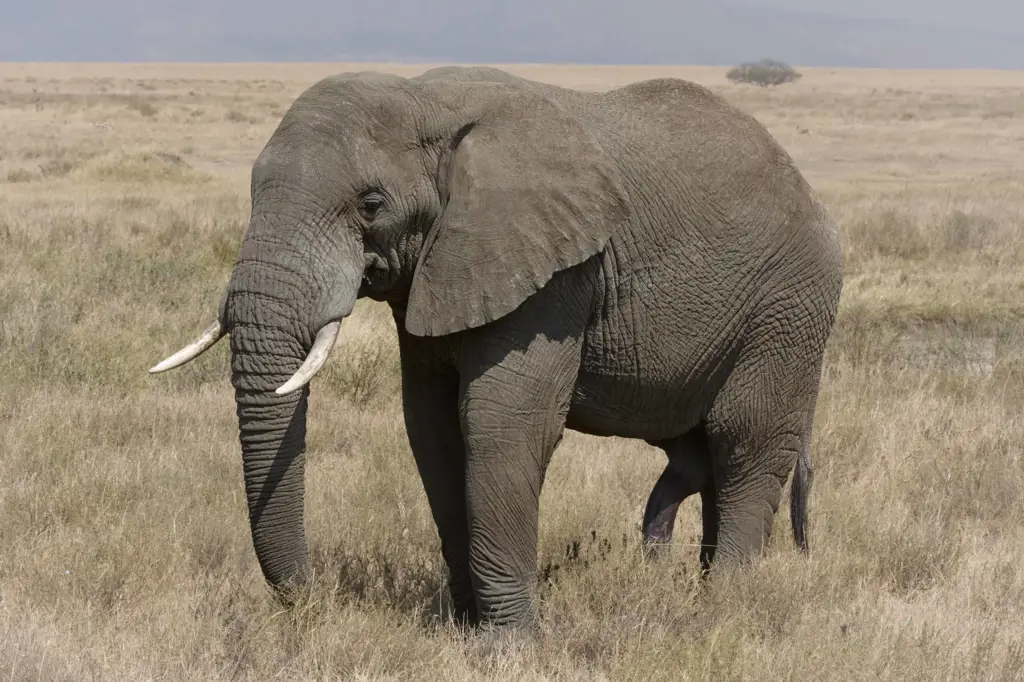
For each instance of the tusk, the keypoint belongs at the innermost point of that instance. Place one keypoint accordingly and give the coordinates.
(318, 354)
(212, 335)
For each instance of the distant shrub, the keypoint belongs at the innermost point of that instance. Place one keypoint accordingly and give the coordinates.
(141, 105)
(20, 175)
(236, 116)
(763, 73)
(58, 167)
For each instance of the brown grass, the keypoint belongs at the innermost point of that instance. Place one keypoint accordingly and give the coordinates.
(122, 519)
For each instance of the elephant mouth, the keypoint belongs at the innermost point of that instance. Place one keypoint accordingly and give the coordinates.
(382, 281)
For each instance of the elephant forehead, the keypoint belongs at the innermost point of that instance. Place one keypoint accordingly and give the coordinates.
(345, 130)
(342, 161)
(346, 126)
(378, 104)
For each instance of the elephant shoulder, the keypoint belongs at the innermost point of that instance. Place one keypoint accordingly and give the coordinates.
(676, 91)
(490, 74)
(702, 124)
(475, 74)
(368, 76)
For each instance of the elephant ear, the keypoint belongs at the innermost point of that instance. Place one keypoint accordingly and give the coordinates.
(526, 191)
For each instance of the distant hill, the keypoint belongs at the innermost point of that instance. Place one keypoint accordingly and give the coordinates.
(581, 31)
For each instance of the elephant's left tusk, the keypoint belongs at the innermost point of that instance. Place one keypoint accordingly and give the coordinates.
(213, 334)
(318, 354)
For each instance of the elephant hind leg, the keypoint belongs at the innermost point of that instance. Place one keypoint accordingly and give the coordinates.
(688, 472)
(756, 429)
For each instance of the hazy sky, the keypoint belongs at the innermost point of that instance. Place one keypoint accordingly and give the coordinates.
(898, 33)
(984, 14)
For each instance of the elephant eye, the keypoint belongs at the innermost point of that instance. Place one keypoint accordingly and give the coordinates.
(370, 205)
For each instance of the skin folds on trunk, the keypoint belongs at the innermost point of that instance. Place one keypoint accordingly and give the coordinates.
(275, 310)
(272, 433)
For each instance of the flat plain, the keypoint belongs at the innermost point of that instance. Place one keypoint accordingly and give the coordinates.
(125, 546)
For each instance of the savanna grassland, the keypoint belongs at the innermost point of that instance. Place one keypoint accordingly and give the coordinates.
(124, 544)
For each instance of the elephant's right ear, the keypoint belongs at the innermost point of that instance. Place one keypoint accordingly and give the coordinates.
(526, 191)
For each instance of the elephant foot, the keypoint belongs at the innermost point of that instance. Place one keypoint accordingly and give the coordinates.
(466, 615)
(507, 614)
(502, 642)
(459, 612)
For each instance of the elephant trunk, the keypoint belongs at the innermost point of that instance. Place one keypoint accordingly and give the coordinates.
(272, 432)
(291, 286)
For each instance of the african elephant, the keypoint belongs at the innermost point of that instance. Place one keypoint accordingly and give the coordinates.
(645, 262)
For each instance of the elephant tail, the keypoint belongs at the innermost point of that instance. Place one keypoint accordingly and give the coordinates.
(799, 492)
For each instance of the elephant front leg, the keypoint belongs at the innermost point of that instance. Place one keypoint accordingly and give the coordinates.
(430, 396)
(513, 417)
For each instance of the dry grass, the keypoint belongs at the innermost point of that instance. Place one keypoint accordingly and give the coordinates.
(125, 546)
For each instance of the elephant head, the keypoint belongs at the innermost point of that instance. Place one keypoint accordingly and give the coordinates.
(455, 201)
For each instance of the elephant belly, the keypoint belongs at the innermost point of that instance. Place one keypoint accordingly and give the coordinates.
(619, 407)
(652, 391)
(657, 353)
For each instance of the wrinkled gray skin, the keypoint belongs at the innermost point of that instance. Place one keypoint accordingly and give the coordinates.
(644, 263)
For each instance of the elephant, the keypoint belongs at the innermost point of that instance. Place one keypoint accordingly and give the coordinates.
(645, 262)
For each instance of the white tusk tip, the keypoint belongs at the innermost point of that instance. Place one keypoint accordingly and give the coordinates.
(210, 336)
(169, 363)
(314, 362)
(289, 386)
